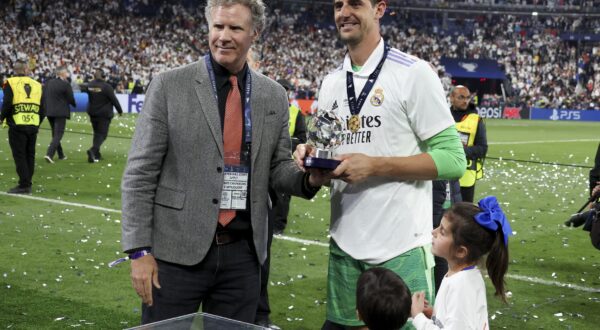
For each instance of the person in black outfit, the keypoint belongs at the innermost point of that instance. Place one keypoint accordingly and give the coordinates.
(138, 88)
(590, 219)
(594, 190)
(23, 112)
(281, 202)
(102, 99)
(595, 171)
(461, 108)
(595, 218)
(58, 95)
(278, 214)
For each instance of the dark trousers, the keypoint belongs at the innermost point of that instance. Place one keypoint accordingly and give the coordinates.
(226, 283)
(58, 130)
(281, 208)
(100, 126)
(467, 193)
(264, 309)
(22, 143)
(439, 271)
(328, 325)
(441, 265)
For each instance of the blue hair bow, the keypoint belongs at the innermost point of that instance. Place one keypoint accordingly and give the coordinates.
(492, 217)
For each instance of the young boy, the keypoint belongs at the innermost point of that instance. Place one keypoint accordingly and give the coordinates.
(382, 299)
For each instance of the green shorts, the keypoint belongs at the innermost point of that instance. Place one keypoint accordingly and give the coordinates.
(415, 267)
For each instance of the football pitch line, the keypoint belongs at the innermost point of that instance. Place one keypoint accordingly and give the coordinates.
(541, 141)
(61, 202)
(522, 278)
(489, 142)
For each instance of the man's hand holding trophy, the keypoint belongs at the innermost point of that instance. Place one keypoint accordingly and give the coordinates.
(324, 135)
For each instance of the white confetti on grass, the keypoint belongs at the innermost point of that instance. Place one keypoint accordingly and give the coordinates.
(543, 179)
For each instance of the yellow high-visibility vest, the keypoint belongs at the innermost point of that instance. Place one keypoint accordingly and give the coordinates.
(27, 97)
(467, 129)
(294, 111)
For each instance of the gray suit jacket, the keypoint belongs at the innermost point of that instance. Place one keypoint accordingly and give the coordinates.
(172, 183)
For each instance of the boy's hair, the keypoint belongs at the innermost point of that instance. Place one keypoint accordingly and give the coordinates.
(382, 299)
(479, 241)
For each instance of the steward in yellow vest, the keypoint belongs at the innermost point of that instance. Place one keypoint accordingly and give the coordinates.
(25, 98)
(472, 132)
(297, 126)
(23, 112)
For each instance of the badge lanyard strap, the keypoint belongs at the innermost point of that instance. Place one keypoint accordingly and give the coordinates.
(354, 104)
(247, 94)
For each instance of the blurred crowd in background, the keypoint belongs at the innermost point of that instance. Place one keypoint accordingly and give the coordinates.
(133, 40)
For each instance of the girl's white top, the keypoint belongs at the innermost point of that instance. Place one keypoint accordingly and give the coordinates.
(461, 304)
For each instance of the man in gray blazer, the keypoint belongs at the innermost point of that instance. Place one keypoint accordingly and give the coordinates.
(179, 180)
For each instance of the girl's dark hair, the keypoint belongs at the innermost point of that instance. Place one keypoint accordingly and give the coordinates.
(479, 241)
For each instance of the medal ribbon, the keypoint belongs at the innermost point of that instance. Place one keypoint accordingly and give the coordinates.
(354, 104)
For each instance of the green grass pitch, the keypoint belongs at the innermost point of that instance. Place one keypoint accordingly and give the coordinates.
(53, 256)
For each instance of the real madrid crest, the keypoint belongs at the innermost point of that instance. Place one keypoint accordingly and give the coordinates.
(377, 98)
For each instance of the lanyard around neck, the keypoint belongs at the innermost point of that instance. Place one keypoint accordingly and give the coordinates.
(247, 94)
(354, 103)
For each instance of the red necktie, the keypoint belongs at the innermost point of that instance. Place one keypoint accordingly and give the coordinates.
(232, 136)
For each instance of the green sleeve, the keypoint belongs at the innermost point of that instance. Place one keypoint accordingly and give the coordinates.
(448, 154)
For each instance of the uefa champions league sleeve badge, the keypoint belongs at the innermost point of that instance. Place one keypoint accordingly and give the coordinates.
(354, 123)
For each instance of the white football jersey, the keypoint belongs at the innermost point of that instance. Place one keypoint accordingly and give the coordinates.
(381, 218)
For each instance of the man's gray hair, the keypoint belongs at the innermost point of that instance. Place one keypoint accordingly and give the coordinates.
(257, 8)
(59, 70)
(20, 68)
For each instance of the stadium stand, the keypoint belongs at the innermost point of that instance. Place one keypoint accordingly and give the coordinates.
(550, 60)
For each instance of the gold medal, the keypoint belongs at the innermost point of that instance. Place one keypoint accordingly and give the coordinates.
(354, 123)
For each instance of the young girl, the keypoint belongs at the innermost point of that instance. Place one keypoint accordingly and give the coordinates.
(466, 234)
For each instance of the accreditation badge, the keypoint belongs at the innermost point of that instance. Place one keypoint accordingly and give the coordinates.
(464, 138)
(235, 187)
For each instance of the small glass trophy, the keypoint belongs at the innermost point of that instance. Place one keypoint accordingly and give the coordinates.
(324, 133)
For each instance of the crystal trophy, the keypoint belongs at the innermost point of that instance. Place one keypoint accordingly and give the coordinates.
(324, 133)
